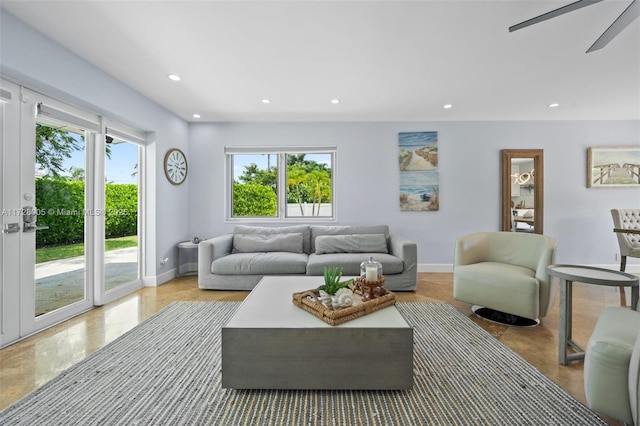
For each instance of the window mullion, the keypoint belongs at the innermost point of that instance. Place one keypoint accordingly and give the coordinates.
(282, 185)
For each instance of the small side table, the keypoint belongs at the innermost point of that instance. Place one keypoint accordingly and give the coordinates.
(588, 275)
(182, 249)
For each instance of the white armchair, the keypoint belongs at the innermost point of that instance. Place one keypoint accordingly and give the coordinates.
(506, 272)
(612, 365)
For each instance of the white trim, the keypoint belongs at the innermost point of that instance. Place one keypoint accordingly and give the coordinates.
(448, 267)
(97, 186)
(124, 132)
(156, 280)
(123, 290)
(279, 149)
(5, 95)
(67, 114)
(435, 267)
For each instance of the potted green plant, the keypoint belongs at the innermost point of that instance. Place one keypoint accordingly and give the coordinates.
(333, 293)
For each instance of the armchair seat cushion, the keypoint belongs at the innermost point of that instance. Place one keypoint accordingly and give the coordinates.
(495, 272)
(269, 263)
(494, 284)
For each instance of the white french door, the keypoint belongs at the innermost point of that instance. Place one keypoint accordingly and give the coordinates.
(52, 194)
(11, 212)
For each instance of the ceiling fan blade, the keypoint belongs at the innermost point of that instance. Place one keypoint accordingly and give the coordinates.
(630, 14)
(557, 12)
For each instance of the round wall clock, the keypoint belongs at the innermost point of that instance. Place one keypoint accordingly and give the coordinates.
(175, 166)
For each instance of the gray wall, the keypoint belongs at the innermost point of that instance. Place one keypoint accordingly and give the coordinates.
(469, 163)
(33, 60)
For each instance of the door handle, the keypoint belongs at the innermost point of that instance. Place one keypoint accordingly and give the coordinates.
(32, 227)
(29, 217)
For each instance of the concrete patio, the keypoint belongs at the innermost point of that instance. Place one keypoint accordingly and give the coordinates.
(61, 282)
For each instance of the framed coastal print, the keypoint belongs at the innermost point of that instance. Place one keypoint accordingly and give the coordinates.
(613, 167)
(419, 175)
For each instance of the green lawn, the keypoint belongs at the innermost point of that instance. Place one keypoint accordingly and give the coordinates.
(45, 254)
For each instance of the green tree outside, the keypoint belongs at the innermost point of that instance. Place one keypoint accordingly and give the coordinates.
(308, 182)
(251, 199)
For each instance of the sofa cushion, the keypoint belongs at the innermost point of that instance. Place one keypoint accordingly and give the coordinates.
(252, 243)
(271, 230)
(350, 263)
(271, 263)
(358, 243)
(346, 230)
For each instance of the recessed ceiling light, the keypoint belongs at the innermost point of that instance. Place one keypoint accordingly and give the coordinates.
(447, 106)
(335, 101)
(174, 77)
(196, 115)
(266, 101)
(554, 105)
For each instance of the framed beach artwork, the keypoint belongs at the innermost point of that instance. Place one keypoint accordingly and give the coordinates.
(613, 167)
(419, 175)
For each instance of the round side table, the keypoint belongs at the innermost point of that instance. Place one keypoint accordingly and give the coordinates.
(588, 275)
(182, 249)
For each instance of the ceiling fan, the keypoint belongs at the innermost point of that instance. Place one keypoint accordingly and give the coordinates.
(631, 13)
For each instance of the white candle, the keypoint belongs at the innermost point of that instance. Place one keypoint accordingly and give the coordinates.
(372, 273)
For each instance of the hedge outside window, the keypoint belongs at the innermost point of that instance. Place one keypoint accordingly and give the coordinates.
(281, 184)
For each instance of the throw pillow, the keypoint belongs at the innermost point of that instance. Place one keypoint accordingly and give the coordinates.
(356, 243)
(254, 243)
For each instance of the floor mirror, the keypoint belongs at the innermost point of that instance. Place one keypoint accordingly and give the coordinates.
(522, 198)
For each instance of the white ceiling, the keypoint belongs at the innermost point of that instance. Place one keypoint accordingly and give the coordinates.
(384, 60)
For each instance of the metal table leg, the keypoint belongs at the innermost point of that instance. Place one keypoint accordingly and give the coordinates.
(566, 322)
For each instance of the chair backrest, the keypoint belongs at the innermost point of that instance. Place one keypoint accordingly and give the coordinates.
(527, 250)
(626, 219)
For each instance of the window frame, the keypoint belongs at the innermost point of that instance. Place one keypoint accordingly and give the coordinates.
(281, 161)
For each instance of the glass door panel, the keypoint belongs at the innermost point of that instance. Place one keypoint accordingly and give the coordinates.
(60, 213)
(121, 213)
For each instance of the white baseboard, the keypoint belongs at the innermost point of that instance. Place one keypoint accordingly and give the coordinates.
(448, 267)
(156, 280)
(435, 267)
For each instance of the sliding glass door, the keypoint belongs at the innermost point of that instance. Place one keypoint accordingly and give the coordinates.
(70, 202)
(121, 229)
(59, 217)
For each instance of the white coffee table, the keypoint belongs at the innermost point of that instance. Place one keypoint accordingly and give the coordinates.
(270, 343)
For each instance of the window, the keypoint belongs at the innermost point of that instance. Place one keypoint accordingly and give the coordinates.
(280, 183)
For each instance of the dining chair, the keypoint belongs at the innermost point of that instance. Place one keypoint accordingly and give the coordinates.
(626, 225)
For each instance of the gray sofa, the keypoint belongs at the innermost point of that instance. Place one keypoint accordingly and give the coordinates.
(239, 260)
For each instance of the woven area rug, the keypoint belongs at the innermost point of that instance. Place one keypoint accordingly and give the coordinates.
(167, 371)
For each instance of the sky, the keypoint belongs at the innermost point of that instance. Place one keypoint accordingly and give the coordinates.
(118, 168)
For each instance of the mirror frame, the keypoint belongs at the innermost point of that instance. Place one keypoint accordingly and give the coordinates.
(538, 187)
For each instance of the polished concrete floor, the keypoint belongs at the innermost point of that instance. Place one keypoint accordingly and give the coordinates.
(30, 363)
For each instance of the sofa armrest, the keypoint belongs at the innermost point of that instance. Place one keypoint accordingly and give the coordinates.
(405, 250)
(212, 249)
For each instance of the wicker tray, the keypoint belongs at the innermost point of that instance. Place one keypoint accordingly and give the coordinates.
(310, 301)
